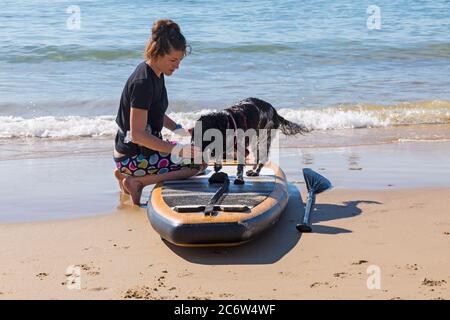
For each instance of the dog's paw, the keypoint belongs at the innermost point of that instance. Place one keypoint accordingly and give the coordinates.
(251, 173)
(239, 181)
(218, 177)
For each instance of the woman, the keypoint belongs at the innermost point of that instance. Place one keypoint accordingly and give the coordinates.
(142, 157)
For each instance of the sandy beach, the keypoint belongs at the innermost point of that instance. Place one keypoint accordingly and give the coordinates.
(378, 221)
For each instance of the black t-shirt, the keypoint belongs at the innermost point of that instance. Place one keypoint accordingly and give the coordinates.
(143, 90)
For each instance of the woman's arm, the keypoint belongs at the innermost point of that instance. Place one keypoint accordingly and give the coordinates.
(169, 123)
(172, 125)
(138, 135)
(138, 122)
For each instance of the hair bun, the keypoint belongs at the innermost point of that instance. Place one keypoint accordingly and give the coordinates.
(166, 35)
(163, 28)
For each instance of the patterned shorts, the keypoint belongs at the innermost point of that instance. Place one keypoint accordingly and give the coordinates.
(140, 165)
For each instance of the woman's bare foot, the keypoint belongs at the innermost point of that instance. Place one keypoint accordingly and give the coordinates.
(134, 187)
(120, 177)
(202, 169)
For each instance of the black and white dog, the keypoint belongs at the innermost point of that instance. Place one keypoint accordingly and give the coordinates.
(251, 113)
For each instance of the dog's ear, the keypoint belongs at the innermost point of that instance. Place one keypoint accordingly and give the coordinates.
(214, 120)
(197, 130)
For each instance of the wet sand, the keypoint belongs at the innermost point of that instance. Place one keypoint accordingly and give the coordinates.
(45, 181)
(388, 214)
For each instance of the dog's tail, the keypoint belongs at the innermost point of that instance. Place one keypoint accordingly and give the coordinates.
(291, 128)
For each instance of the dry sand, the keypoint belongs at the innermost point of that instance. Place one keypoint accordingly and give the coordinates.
(403, 232)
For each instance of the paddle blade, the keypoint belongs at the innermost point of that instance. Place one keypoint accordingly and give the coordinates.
(315, 182)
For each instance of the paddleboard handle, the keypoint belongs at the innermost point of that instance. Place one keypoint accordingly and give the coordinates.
(209, 208)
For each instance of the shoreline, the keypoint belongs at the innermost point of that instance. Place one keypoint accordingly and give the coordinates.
(317, 139)
(76, 185)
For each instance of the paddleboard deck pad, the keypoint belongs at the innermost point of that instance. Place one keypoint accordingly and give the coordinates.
(177, 210)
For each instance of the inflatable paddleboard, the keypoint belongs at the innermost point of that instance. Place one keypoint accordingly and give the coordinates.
(177, 210)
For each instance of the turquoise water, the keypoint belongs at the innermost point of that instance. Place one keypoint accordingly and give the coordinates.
(295, 54)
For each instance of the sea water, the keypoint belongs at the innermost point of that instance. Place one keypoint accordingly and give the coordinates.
(326, 64)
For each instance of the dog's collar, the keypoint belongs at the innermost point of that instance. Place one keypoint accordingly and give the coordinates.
(232, 118)
(244, 120)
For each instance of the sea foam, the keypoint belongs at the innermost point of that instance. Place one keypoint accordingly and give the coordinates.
(332, 118)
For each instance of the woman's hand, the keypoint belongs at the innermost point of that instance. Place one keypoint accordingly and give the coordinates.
(189, 151)
(195, 152)
(183, 132)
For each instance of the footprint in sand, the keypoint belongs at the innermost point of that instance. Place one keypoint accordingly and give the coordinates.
(42, 275)
(319, 284)
(98, 289)
(433, 283)
(142, 292)
(360, 262)
(84, 267)
(89, 268)
(414, 266)
(340, 275)
(161, 282)
(184, 274)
